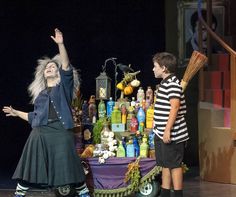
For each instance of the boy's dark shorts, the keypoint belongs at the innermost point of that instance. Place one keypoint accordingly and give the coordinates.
(169, 155)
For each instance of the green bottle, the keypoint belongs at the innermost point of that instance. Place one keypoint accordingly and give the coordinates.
(120, 150)
(116, 115)
(101, 109)
(144, 147)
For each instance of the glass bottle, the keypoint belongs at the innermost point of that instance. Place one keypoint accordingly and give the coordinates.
(116, 115)
(105, 135)
(140, 95)
(149, 95)
(133, 124)
(133, 102)
(92, 108)
(101, 109)
(123, 114)
(129, 117)
(130, 148)
(120, 150)
(144, 147)
(136, 147)
(141, 118)
(110, 105)
(149, 117)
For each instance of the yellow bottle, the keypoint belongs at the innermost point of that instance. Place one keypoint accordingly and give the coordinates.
(149, 117)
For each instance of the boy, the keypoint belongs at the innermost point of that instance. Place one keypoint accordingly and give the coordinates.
(169, 124)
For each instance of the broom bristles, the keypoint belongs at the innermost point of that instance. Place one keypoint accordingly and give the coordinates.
(196, 62)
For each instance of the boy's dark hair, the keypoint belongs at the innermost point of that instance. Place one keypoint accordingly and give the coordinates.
(166, 59)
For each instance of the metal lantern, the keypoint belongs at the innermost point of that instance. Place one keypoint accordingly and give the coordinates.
(103, 86)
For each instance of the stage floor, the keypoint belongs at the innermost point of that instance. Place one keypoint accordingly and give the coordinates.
(193, 187)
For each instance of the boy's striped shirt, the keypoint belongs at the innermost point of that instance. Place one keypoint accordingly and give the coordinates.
(170, 88)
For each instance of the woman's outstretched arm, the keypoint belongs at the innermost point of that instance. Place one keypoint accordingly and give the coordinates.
(9, 111)
(58, 39)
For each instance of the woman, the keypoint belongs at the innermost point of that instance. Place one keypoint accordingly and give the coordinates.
(49, 157)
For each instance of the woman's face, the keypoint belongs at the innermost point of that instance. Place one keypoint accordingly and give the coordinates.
(51, 70)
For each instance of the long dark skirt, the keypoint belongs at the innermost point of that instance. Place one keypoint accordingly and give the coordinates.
(49, 157)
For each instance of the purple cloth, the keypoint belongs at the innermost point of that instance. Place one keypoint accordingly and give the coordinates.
(111, 174)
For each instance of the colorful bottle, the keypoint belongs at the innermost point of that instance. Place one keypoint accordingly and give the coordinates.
(101, 109)
(133, 124)
(141, 118)
(151, 138)
(149, 117)
(110, 105)
(92, 109)
(133, 102)
(130, 148)
(123, 114)
(120, 150)
(129, 117)
(105, 135)
(140, 95)
(136, 147)
(116, 115)
(144, 147)
(144, 104)
(149, 95)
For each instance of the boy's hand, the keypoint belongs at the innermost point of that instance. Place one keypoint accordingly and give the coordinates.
(166, 137)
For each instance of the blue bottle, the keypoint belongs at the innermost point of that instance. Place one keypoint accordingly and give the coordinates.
(110, 105)
(141, 118)
(151, 137)
(130, 148)
(136, 147)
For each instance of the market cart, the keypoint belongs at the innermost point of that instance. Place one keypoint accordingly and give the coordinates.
(107, 180)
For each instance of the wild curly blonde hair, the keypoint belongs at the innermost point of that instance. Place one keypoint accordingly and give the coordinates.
(39, 82)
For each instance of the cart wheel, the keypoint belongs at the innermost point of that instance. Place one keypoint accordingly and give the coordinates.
(65, 191)
(151, 189)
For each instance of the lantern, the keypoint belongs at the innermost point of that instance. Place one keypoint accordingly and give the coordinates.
(103, 86)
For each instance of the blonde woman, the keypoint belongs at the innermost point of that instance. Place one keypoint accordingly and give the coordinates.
(49, 157)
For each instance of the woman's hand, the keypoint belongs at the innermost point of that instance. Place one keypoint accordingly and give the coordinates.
(9, 111)
(58, 38)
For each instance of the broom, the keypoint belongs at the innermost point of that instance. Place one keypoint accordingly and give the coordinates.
(196, 62)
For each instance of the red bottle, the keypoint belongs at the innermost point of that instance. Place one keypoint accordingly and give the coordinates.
(133, 125)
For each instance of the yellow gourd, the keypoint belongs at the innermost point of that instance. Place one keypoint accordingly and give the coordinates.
(120, 86)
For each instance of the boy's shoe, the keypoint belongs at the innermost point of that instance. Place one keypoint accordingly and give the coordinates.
(17, 195)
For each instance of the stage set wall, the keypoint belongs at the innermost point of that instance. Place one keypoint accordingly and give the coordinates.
(211, 148)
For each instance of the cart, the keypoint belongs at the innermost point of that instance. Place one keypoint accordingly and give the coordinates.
(107, 180)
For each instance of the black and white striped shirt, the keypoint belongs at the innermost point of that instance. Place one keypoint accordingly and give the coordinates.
(170, 88)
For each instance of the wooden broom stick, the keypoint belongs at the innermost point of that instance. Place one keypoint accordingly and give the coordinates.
(196, 62)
